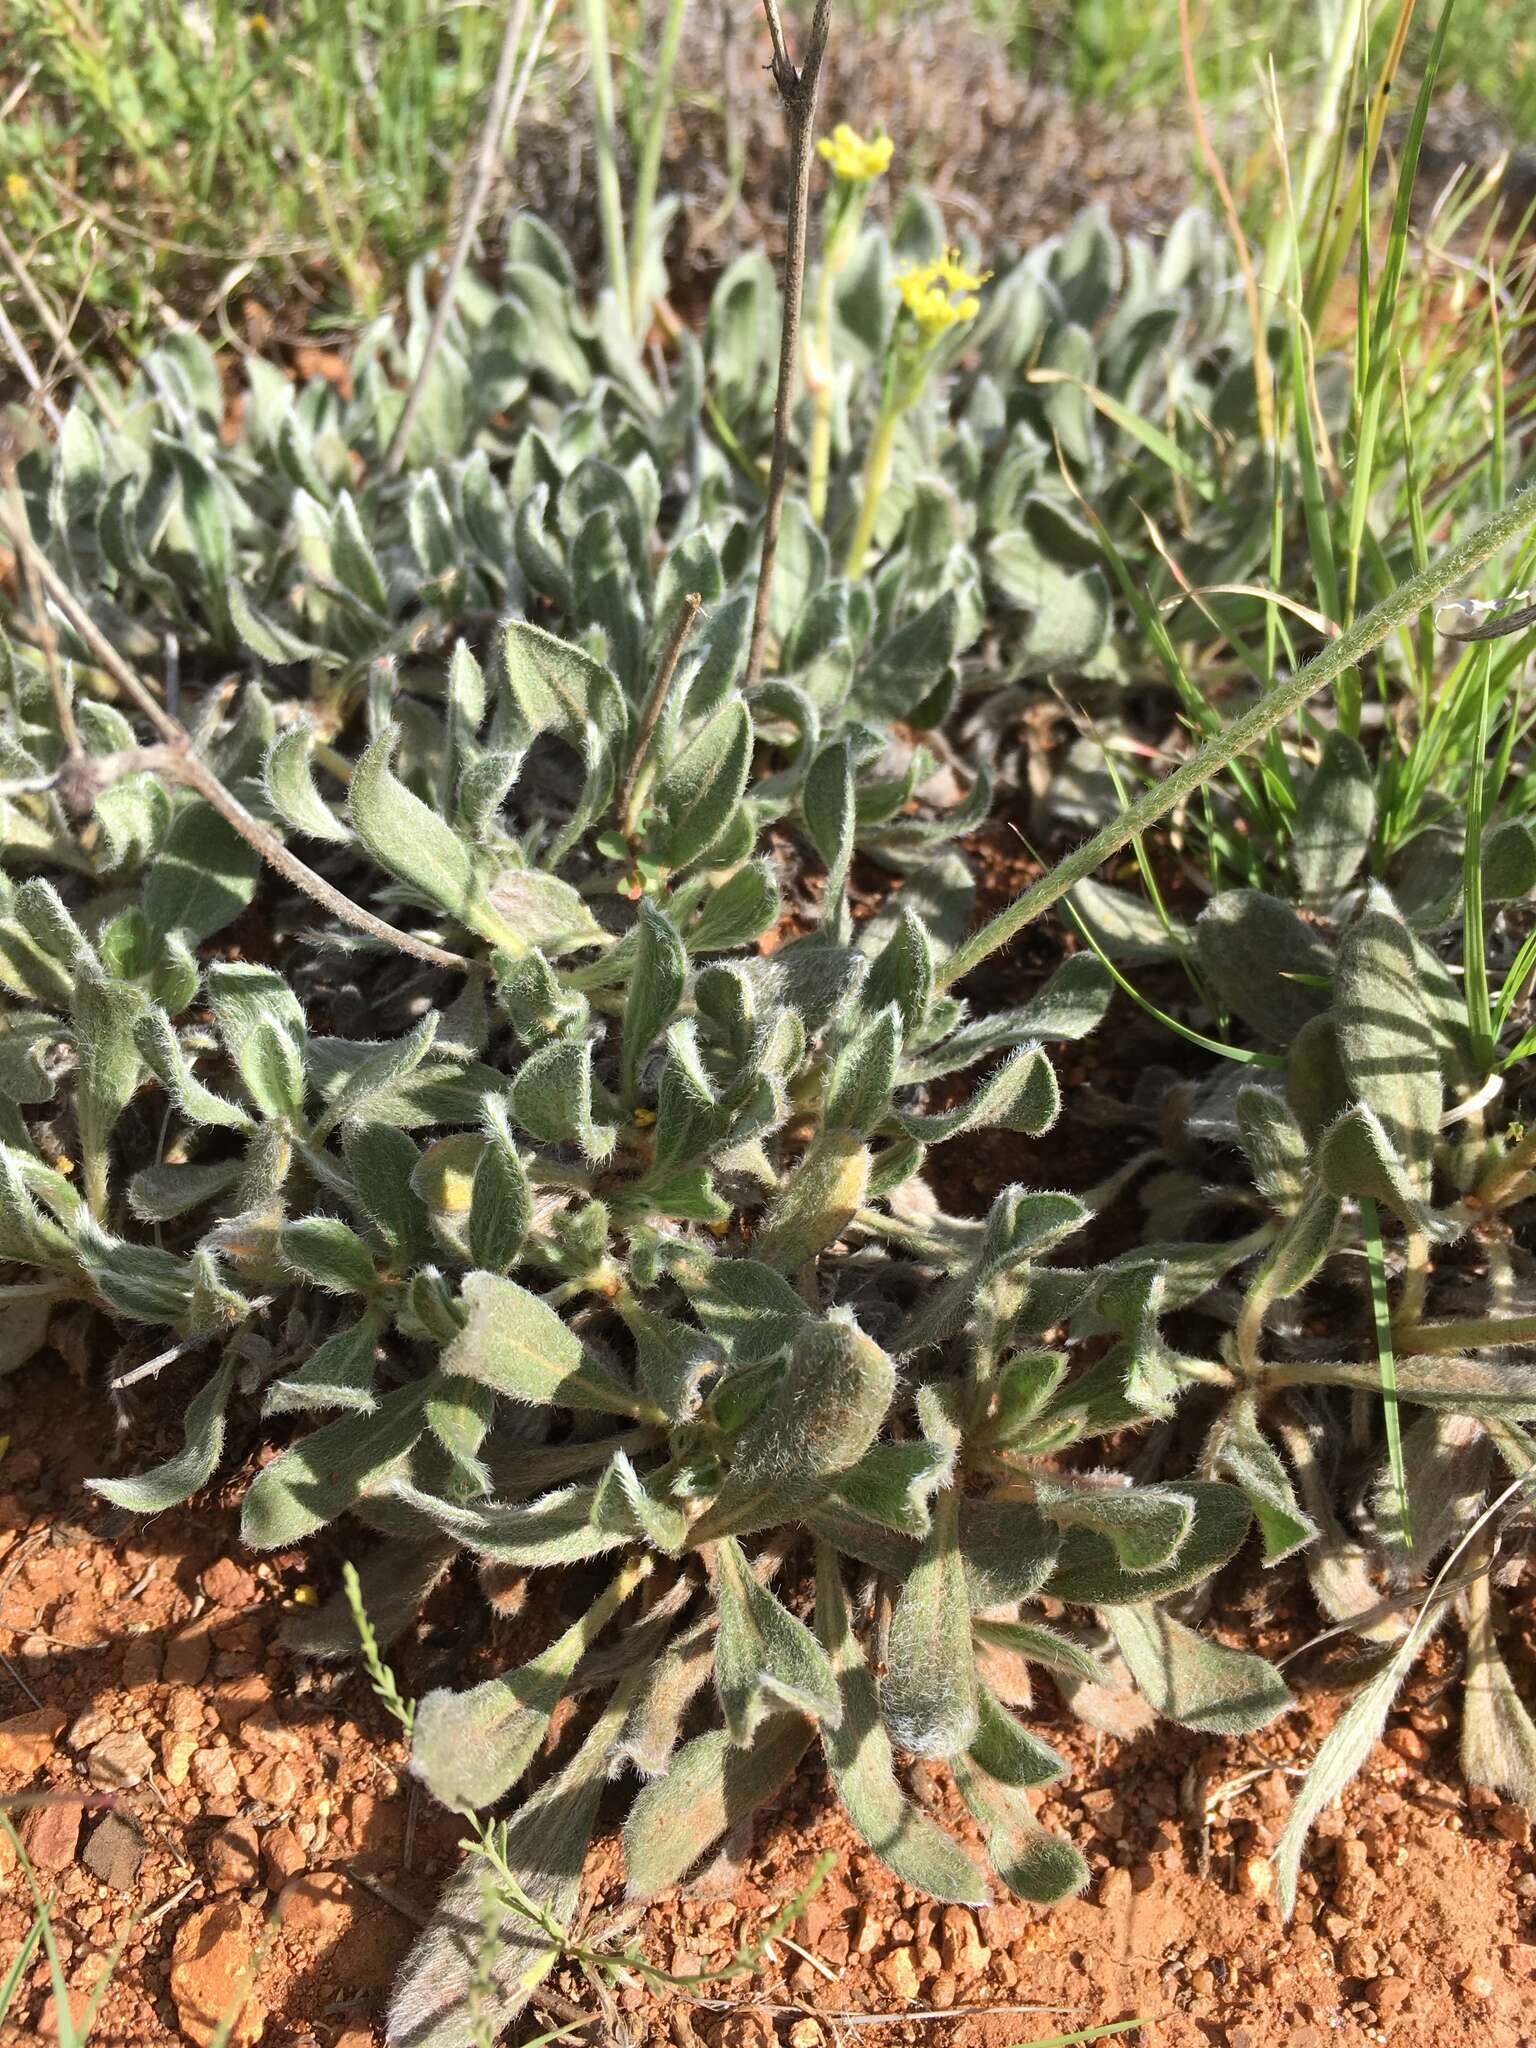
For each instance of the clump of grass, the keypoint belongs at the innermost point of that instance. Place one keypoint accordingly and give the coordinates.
(152, 154)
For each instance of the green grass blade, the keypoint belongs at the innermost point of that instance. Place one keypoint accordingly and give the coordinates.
(1186, 1031)
(1474, 938)
(1085, 2035)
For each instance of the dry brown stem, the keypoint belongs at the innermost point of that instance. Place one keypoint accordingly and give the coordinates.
(797, 93)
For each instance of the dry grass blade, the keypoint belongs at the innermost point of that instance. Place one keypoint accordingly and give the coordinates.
(486, 157)
(797, 93)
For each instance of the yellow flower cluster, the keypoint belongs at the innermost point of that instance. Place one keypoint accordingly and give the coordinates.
(941, 294)
(852, 158)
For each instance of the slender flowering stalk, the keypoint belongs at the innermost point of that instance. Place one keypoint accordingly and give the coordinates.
(855, 164)
(936, 298)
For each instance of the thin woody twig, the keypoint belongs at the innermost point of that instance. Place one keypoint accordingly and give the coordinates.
(16, 349)
(797, 93)
(655, 704)
(178, 762)
(474, 206)
(58, 333)
(63, 708)
(783, 68)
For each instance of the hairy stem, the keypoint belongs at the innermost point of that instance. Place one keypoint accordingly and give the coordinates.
(1502, 1179)
(1276, 705)
(877, 474)
(1465, 1333)
(818, 377)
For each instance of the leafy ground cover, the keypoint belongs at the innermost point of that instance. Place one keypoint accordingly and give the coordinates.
(498, 1003)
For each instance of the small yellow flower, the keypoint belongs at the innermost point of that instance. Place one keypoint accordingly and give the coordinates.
(718, 1229)
(852, 158)
(941, 294)
(16, 186)
(645, 1118)
(259, 26)
(957, 277)
(304, 1596)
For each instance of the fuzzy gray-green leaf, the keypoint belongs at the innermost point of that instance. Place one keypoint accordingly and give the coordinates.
(1509, 861)
(1263, 961)
(326, 1472)
(203, 876)
(326, 1251)
(737, 912)
(191, 1467)
(1089, 1573)
(1346, 1747)
(1193, 1679)
(817, 1203)
(1240, 1451)
(515, 1344)
(765, 1658)
(501, 1199)
(338, 1374)
(1007, 1751)
(1334, 821)
(291, 791)
(702, 786)
(411, 839)
(435, 1999)
(655, 990)
(928, 1696)
(1498, 1736)
(1275, 1146)
(1022, 1095)
(1359, 1159)
(1035, 1865)
(860, 1758)
(471, 1747)
(1146, 1525)
(1386, 1039)
(709, 1787)
(826, 1414)
(863, 1074)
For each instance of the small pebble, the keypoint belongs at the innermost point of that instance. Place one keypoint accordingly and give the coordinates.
(94, 1725)
(115, 1851)
(234, 1857)
(1115, 1888)
(898, 1972)
(1255, 1877)
(120, 1760)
